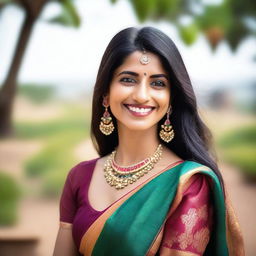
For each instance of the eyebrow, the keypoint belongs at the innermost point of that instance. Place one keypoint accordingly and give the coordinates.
(136, 74)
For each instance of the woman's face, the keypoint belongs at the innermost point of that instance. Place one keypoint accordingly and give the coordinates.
(139, 94)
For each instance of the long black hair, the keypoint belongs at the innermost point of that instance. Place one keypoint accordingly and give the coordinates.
(192, 139)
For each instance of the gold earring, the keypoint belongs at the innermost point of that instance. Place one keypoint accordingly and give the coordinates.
(167, 132)
(106, 124)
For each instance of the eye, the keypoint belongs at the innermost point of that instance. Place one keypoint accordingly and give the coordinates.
(158, 83)
(127, 80)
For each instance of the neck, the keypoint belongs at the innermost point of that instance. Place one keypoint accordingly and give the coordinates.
(135, 146)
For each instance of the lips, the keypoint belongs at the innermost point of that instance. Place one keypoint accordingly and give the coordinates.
(139, 110)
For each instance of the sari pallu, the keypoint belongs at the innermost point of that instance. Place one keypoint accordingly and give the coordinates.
(134, 225)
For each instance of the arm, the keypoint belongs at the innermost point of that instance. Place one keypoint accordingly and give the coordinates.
(187, 230)
(64, 245)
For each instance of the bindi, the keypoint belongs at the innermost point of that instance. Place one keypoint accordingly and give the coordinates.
(145, 74)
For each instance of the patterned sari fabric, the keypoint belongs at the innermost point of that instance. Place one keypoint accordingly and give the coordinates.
(179, 211)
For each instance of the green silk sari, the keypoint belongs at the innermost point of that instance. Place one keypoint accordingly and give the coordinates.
(133, 225)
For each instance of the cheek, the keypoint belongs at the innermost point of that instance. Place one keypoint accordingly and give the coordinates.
(118, 93)
(113, 92)
(115, 98)
(164, 99)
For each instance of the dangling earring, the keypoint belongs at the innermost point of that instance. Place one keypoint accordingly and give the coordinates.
(167, 132)
(106, 124)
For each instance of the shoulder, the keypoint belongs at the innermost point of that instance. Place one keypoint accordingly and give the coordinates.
(189, 168)
(192, 171)
(192, 165)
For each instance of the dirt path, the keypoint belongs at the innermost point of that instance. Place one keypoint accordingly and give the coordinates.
(243, 197)
(40, 217)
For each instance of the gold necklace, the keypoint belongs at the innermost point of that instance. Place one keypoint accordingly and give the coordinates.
(121, 176)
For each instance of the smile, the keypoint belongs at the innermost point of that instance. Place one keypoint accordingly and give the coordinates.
(139, 110)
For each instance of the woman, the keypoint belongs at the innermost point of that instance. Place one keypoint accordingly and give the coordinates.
(155, 190)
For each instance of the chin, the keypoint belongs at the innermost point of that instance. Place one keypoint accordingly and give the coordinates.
(139, 127)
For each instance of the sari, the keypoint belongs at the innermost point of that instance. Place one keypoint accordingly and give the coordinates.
(147, 220)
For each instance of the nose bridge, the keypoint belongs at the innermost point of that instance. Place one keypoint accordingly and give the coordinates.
(142, 91)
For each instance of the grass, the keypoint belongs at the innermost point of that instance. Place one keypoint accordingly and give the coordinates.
(239, 148)
(9, 197)
(240, 136)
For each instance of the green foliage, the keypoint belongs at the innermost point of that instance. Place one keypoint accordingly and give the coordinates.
(237, 32)
(189, 33)
(166, 7)
(6, 1)
(36, 93)
(242, 8)
(215, 16)
(222, 21)
(9, 196)
(155, 9)
(243, 156)
(143, 8)
(237, 137)
(239, 148)
(68, 16)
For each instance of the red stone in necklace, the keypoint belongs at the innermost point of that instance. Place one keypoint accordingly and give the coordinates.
(133, 167)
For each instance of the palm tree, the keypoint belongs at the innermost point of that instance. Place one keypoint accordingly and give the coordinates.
(32, 9)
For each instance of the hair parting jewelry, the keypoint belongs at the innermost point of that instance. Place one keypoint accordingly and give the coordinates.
(106, 125)
(167, 133)
(144, 59)
(121, 176)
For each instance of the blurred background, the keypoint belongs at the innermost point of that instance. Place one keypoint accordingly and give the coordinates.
(49, 56)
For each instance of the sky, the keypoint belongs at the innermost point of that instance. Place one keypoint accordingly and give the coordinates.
(70, 57)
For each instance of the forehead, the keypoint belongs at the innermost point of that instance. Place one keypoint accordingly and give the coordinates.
(132, 63)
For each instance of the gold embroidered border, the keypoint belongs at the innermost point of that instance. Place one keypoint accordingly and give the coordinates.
(156, 243)
(234, 234)
(171, 252)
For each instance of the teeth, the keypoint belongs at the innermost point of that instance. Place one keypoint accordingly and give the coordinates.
(140, 110)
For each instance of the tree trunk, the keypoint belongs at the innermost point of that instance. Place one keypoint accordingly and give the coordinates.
(8, 90)
(9, 86)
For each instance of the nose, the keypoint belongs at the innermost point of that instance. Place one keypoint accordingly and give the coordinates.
(141, 93)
